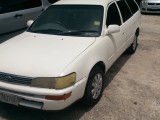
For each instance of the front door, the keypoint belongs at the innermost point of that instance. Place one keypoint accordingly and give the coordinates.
(118, 39)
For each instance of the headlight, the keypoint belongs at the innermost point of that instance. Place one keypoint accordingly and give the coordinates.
(144, 2)
(54, 83)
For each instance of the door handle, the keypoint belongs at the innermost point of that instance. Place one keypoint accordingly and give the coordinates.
(18, 15)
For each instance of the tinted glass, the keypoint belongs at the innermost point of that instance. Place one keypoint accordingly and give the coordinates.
(15, 5)
(52, 1)
(138, 1)
(133, 6)
(125, 10)
(113, 16)
(74, 20)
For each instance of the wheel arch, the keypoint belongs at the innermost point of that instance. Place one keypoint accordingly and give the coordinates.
(101, 65)
(87, 98)
(137, 32)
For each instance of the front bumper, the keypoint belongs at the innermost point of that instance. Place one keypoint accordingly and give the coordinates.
(150, 7)
(35, 97)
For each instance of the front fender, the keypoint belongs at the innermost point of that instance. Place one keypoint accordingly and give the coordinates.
(84, 63)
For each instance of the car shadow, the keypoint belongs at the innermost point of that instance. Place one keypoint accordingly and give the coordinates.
(115, 68)
(7, 36)
(74, 112)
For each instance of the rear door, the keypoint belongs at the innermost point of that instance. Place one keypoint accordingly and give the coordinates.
(135, 14)
(15, 13)
(127, 17)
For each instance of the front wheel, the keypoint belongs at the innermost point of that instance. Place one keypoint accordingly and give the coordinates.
(94, 87)
(133, 46)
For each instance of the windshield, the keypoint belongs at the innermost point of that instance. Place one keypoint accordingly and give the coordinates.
(70, 20)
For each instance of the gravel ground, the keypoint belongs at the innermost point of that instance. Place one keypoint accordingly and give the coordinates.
(131, 91)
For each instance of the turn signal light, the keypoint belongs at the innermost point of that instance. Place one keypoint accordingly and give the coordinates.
(63, 97)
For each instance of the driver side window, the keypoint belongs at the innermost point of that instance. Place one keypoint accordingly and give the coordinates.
(113, 16)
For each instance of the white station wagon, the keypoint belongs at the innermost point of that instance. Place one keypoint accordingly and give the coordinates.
(64, 54)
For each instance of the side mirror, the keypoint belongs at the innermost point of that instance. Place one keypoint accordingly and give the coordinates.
(29, 23)
(112, 29)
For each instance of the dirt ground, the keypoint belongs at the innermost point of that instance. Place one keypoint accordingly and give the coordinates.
(131, 93)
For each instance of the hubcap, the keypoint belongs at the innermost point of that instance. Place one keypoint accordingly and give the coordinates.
(134, 43)
(97, 86)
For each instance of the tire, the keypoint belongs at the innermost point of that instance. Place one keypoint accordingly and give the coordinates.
(133, 46)
(94, 87)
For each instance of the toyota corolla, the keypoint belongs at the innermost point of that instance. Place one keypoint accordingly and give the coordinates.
(64, 54)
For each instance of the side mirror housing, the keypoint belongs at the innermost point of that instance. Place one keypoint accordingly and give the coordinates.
(29, 23)
(112, 29)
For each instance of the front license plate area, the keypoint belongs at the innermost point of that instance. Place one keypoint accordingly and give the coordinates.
(8, 98)
(155, 7)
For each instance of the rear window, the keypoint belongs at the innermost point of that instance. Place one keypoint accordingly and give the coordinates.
(133, 6)
(52, 1)
(16, 5)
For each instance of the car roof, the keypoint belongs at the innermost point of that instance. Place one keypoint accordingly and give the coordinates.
(83, 2)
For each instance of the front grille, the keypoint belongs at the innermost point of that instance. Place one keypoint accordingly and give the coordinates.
(153, 3)
(15, 79)
(153, 9)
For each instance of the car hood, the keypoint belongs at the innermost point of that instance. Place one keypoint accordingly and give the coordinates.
(40, 55)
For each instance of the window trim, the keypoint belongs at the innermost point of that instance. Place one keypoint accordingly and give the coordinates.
(120, 10)
(130, 7)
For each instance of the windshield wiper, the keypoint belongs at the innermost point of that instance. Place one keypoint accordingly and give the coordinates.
(88, 31)
(49, 31)
(77, 32)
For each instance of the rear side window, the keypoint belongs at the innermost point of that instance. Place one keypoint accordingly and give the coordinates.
(16, 5)
(125, 10)
(52, 1)
(133, 6)
(113, 16)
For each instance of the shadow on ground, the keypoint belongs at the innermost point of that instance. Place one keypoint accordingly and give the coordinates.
(116, 67)
(7, 36)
